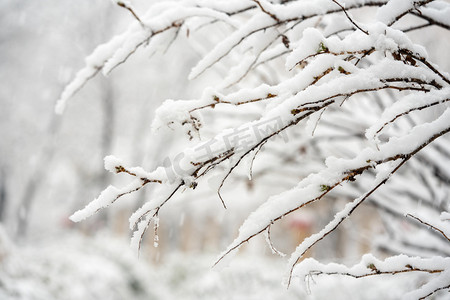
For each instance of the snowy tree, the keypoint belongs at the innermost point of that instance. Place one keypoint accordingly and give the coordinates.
(348, 97)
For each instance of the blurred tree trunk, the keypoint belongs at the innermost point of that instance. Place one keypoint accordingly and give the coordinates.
(3, 195)
(37, 177)
(107, 132)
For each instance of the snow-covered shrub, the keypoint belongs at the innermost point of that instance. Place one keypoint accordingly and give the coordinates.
(349, 96)
(74, 268)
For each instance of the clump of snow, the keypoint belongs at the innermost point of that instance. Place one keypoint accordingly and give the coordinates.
(445, 216)
(111, 162)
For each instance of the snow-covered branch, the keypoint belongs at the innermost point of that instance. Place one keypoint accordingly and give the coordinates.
(368, 84)
(371, 266)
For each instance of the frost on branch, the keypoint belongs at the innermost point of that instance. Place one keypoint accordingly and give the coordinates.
(362, 96)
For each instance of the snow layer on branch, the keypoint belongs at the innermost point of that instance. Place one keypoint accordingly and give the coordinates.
(225, 6)
(111, 162)
(111, 193)
(138, 35)
(310, 187)
(305, 9)
(445, 216)
(255, 44)
(381, 38)
(362, 79)
(111, 54)
(255, 24)
(327, 78)
(406, 104)
(106, 198)
(370, 78)
(394, 8)
(308, 45)
(440, 282)
(181, 11)
(291, 11)
(172, 111)
(297, 10)
(370, 265)
(436, 10)
(439, 12)
(308, 242)
(94, 63)
(164, 16)
(114, 165)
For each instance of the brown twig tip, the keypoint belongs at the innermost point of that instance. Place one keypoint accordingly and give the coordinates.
(285, 40)
(131, 10)
(120, 169)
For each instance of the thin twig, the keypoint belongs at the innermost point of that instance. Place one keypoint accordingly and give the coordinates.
(428, 224)
(269, 241)
(377, 272)
(350, 19)
(410, 110)
(273, 16)
(131, 10)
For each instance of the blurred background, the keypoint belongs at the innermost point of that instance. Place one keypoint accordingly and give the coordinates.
(52, 165)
